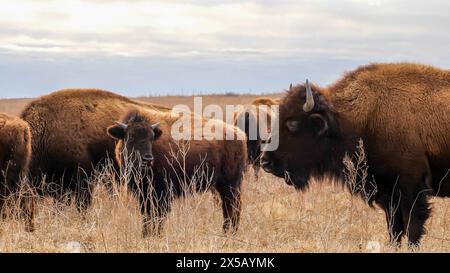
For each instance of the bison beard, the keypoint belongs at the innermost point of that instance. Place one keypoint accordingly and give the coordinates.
(400, 111)
(179, 168)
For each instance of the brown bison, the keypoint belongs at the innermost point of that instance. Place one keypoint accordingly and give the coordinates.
(69, 138)
(15, 152)
(400, 111)
(168, 167)
(249, 117)
(266, 101)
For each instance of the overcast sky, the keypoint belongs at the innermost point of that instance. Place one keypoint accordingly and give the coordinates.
(204, 46)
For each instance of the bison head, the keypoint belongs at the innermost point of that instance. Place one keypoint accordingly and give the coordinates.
(136, 134)
(307, 135)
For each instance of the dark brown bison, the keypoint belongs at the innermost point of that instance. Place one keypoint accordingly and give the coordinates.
(69, 138)
(15, 152)
(249, 117)
(168, 167)
(400, 111)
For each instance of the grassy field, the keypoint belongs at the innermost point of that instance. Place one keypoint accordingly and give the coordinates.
(275, 218)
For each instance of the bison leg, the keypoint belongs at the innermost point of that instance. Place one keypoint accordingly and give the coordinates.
(26, 211)
(3, 196)
(27, 205)
(256, 168)
(415, 188)
(390, 203)
(83, 199)
(415, 211)
(394, 223)
(406, 213)
(83, 191)
(154, 211)
(216, 197)
(9, 179)
(3, 208)
(114, 182)
(231, 207)
(20, 187)
(395, 227)
(27, 201)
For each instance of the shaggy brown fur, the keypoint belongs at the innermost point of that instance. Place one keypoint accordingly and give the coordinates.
(69, 139)
(252, 117)
(15, 152)
(265, 101)
(208, 164)
(401, 112)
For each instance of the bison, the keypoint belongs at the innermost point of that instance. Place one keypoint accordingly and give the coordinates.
(168, 167)
(266, 101)
(249, 116)
(400, 111)
(69, 139)
(15, 153)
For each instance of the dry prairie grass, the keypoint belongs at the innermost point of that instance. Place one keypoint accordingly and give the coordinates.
(275, 218)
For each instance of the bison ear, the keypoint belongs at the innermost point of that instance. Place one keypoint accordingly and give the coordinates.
(116, 131)
(158, 132)
(319, 123)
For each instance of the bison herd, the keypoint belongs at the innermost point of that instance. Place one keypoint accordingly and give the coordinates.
(400, 112)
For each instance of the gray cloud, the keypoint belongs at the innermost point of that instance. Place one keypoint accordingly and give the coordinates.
(217, 45)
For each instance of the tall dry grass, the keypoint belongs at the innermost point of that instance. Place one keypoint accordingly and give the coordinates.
(275, 218)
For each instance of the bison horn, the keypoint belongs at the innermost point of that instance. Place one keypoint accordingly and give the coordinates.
(309, 104)
(156, 125)
(290, 87)
(122, 125)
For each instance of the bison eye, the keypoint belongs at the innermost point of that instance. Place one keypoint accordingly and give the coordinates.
(292, 125)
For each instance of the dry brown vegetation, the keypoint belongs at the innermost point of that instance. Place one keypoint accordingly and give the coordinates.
(275, 218)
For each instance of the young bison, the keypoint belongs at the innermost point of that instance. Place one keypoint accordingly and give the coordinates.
(400, 111)
(168, 168)
(15, 152)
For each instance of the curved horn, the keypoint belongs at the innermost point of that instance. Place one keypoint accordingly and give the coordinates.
(290, 87)
(309, 104)
(156, 125)
(122, 125)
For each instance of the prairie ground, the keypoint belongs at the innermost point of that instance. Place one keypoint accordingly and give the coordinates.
(275, 218)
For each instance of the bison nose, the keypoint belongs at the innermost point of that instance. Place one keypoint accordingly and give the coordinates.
(148, 158)
(266, 163)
